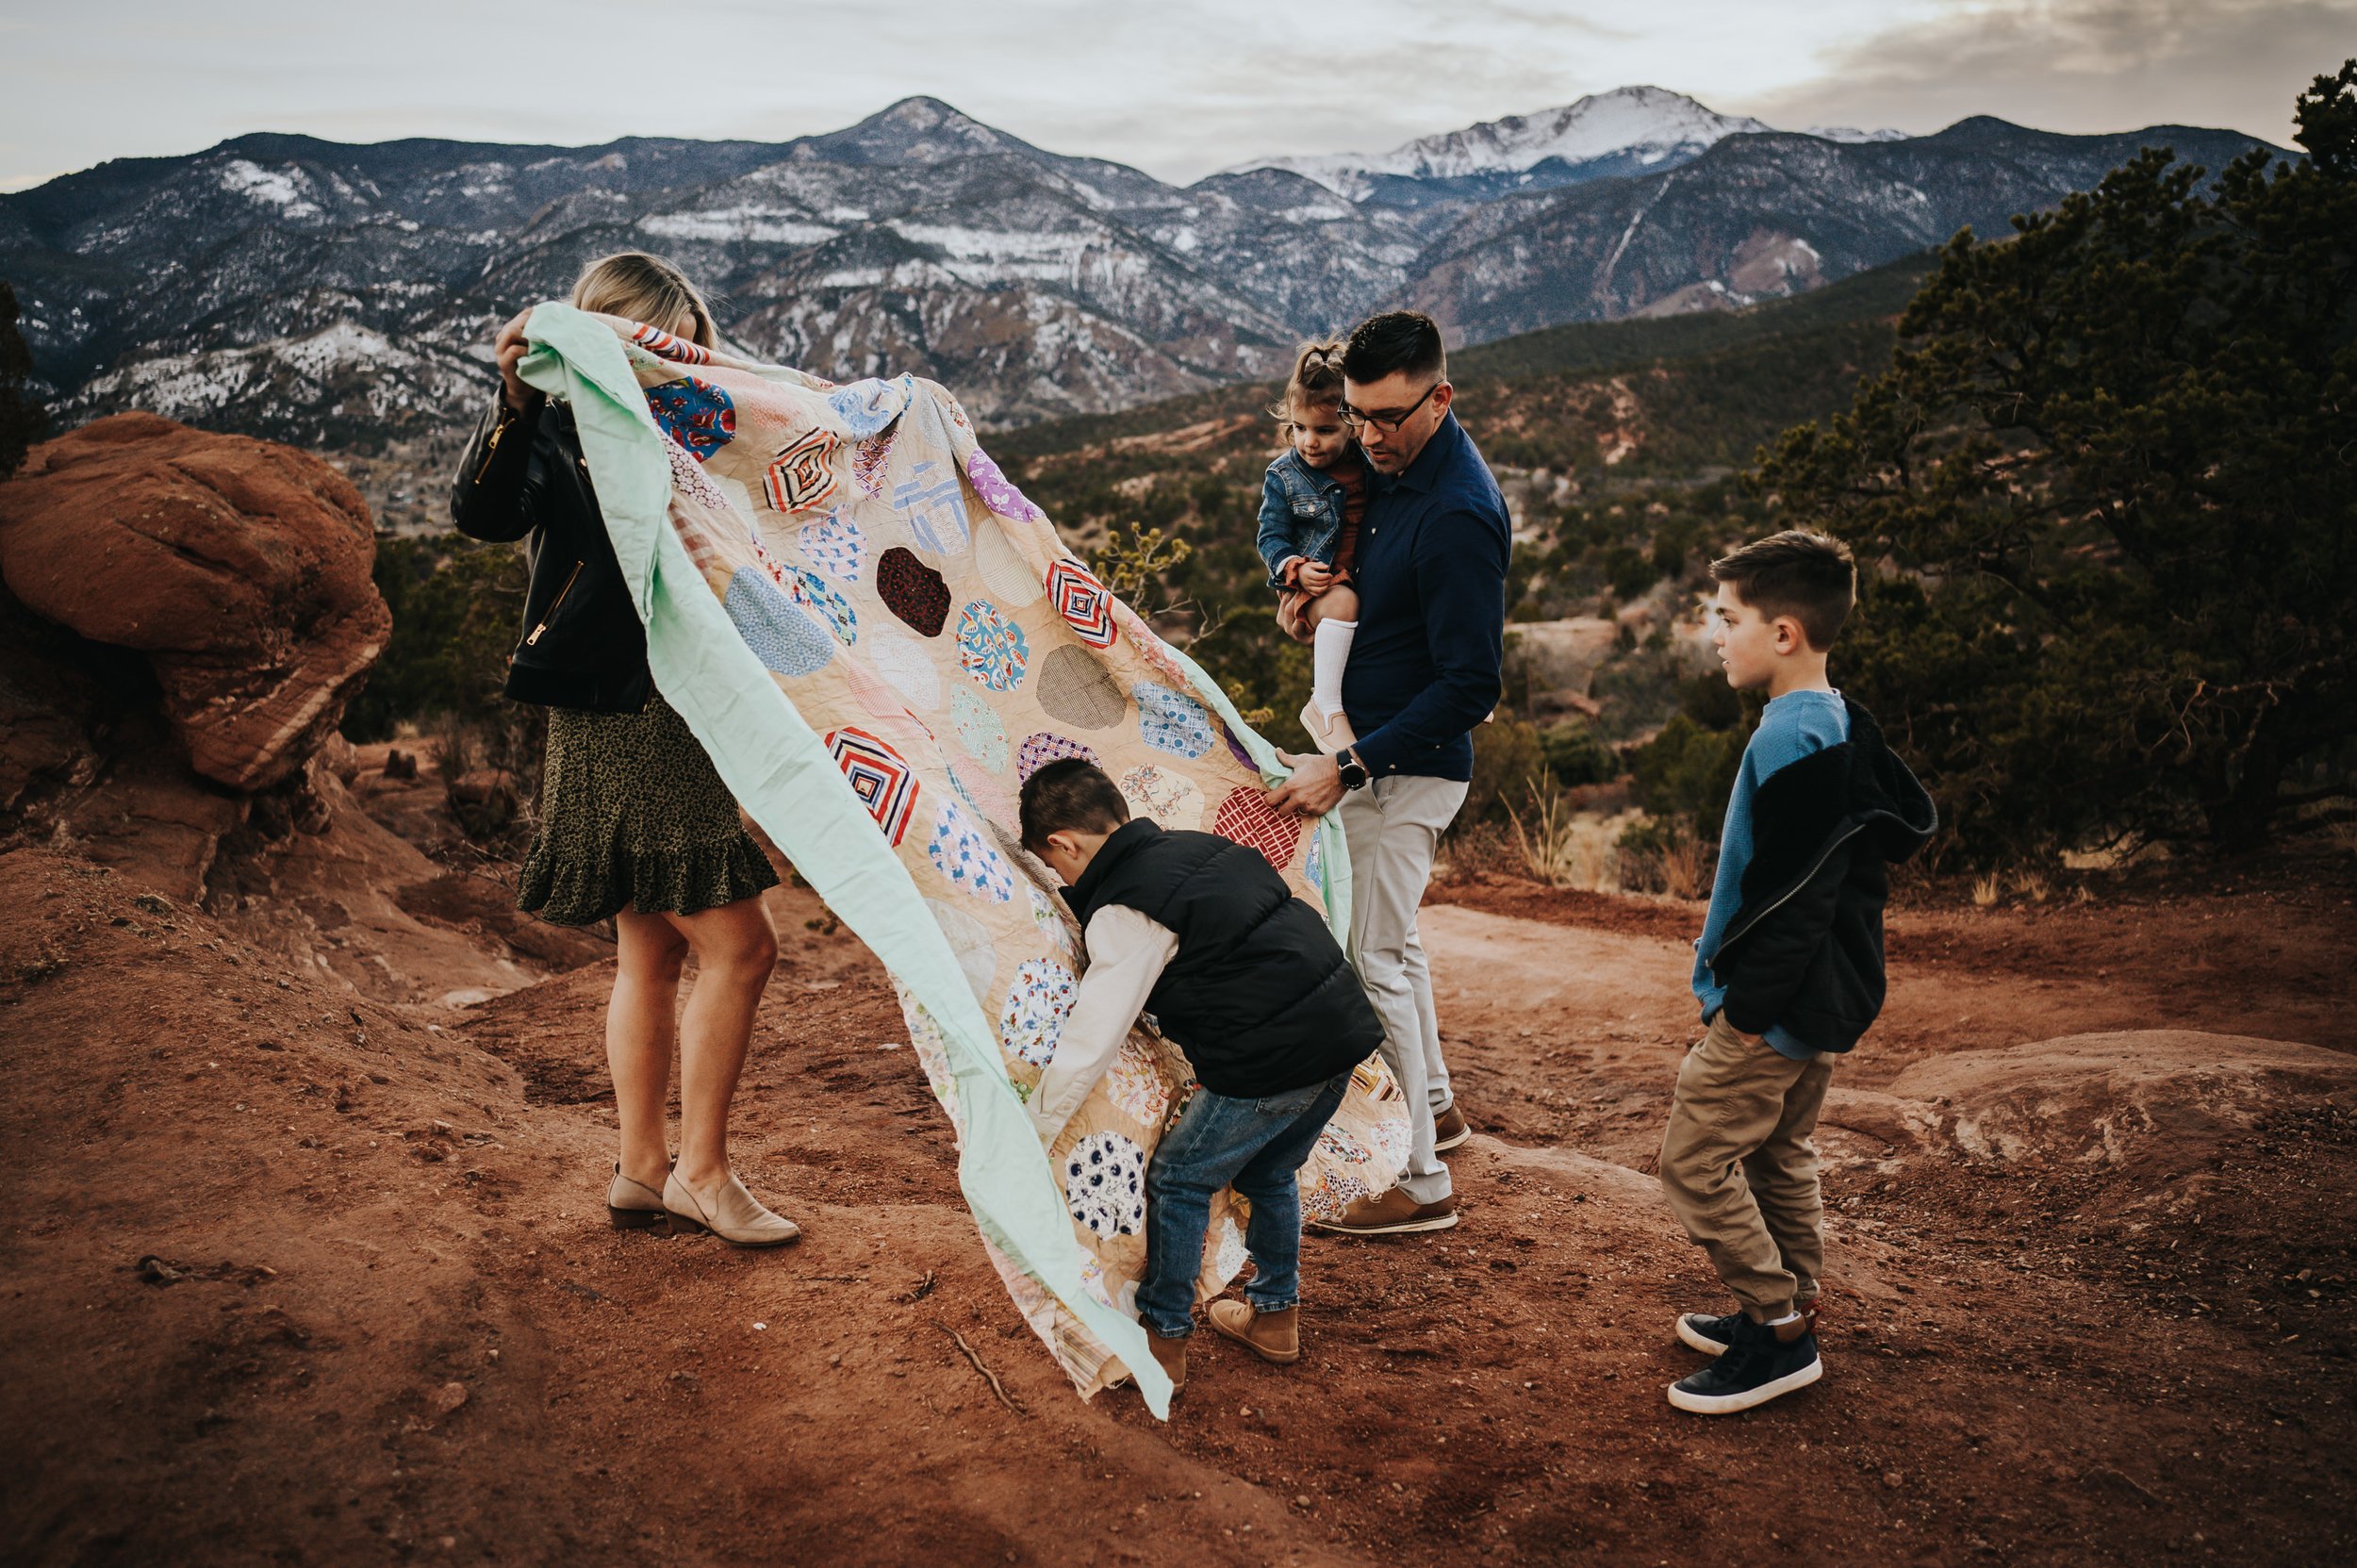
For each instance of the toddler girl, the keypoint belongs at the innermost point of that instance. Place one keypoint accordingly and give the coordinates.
(1311, 504)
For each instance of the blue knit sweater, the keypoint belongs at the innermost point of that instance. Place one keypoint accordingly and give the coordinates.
(1790, 728)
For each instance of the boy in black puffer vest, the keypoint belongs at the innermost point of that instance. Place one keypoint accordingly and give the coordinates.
(1246, 980)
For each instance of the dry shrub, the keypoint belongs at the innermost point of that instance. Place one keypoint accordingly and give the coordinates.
(1477, 850)
(1664, 854)
(1685, 867)
(490, 771)
(1563, 847)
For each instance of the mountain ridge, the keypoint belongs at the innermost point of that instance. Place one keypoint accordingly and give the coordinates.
(343, 294)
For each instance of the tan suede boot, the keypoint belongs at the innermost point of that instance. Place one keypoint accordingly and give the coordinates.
(632, 1205)
(1171, 1356)
(737, 1217)
(1271, 1336)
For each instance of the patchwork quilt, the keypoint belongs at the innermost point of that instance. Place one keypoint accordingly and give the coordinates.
(878, 638)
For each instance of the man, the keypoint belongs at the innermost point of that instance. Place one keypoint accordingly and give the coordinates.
(1423, 670)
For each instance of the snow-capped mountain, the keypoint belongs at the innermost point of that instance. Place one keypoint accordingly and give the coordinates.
(344, 296)
(1757, 217)
(1627, 130)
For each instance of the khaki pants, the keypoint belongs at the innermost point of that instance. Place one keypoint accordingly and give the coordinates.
(1741, 1172)
(1393, 827)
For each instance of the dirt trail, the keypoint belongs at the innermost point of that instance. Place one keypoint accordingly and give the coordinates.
(304, 1277)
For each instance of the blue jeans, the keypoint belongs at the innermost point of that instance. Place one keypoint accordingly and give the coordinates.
(1256, 1146)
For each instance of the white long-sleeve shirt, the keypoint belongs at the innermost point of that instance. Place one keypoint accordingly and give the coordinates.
(1128, 952)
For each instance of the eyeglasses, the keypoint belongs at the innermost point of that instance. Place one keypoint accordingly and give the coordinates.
(1388, 419)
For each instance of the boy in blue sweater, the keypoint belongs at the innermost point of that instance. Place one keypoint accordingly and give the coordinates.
(1789, 970)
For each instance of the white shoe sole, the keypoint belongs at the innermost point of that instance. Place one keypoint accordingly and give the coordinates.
(1404, 1227)
(1703, 1342)
(1457, 1142)
(1728, 1404)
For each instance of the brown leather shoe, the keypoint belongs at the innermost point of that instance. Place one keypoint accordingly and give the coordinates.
(1389, 1214)
(1271, 1336)
(1171, 1356)
(1449, 1129)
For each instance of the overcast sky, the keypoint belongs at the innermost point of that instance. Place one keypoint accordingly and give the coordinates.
(1177, 88)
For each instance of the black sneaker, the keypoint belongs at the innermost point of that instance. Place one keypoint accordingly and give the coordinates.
(1707, 1335)
(1755, 1368)
(1712, 1335)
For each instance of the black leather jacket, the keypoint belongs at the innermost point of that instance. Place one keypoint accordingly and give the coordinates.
(522, 477)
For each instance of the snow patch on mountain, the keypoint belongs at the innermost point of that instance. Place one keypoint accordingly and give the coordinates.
(1851, 134)
(764, 226)
(296, 384)
(288, 189)
(1650, 123)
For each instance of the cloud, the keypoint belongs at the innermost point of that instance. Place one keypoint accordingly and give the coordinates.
(1390, 73)
(1177, 90)
(2079, 65)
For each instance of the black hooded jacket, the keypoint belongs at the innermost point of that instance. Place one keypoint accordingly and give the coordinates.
(1258, 994)
(1804, 947)
(582, 645)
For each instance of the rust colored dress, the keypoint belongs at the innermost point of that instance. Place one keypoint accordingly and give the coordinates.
(1293, 603)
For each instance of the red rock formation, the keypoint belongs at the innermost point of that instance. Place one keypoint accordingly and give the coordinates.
(240, 567)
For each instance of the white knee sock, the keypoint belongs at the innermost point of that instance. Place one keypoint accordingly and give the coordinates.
(1330, 651)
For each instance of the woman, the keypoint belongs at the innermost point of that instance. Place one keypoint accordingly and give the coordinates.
(636, 825)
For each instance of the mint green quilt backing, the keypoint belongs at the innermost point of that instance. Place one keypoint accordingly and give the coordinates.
(877, 638)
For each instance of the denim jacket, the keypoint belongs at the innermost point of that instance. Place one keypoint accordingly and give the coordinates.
(1301, 514)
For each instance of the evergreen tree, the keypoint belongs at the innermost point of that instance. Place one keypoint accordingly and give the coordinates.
(22, 421)
(2106, 498)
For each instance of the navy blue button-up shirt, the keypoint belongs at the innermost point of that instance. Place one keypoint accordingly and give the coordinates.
(1430, 572)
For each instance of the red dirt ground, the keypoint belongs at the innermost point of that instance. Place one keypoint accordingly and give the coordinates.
(299, 1275)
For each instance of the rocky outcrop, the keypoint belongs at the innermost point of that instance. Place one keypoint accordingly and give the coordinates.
(2158, 1102)
(185, 616)
(239, 569)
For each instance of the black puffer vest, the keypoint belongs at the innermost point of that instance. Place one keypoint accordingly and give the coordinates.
(1259, 995)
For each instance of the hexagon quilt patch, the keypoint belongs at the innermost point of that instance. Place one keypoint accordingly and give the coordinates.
(801, 477)
(697, 415)
(879, 776)
(1085, 603)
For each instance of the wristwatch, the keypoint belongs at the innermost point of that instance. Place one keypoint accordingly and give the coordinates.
(1354, 772)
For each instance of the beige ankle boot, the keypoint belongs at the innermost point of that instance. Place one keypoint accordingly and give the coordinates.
(1271, 1336)
(632, 1205)
(735, 1216)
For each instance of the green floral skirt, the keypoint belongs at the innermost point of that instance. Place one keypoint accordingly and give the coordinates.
(633, 816)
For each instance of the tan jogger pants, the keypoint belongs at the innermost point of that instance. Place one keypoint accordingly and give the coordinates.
(1740, 1171)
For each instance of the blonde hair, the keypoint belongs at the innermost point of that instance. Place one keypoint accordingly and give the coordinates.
(642, 288)
(1316, 381)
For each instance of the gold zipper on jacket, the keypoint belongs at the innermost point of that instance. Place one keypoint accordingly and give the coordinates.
(491, 444)
(549, 614)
